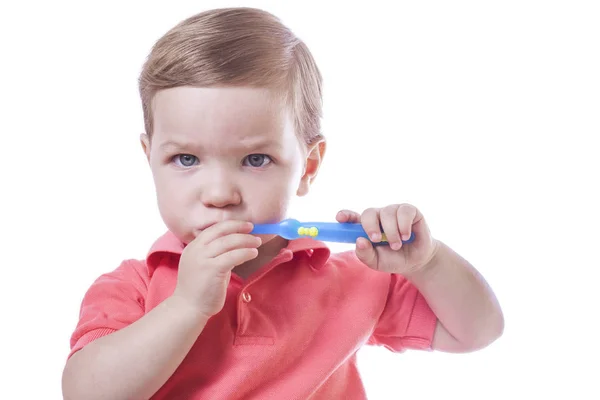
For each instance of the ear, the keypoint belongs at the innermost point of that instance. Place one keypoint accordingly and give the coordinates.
(316, 152)
(145, 142)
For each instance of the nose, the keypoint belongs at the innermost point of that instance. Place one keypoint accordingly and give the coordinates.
(220, 191)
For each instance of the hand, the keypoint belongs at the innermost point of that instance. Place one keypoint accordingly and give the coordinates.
(206, 263)
(398, 222)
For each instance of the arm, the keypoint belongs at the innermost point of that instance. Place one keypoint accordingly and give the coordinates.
(138, 357)
(134, 362)
(469, 316)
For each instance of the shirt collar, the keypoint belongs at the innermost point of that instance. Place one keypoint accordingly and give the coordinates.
(168, 248)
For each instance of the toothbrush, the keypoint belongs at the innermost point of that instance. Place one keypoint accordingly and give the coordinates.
(340, 232)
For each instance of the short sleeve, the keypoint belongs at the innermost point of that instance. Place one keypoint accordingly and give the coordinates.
(114, 301)
(407, 321)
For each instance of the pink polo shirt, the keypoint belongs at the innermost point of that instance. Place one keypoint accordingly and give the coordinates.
(291, 331)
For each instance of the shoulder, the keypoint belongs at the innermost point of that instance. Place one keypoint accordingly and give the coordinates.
(130, 280)
(129, 270)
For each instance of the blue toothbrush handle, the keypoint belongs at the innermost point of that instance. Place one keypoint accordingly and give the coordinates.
(325, 231)
(346, 232)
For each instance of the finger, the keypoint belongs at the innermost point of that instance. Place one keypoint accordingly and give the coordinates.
(347, 216)
(370, 223)
(406, 215)
(231, 259)
(224, 228)
(231, 242)
(366, 252)
(389, 222)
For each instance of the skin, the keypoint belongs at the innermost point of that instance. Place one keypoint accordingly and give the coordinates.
(236, 157)
(223, 159)
(469, 315)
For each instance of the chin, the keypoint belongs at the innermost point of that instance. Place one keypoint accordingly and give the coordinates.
(184, 235)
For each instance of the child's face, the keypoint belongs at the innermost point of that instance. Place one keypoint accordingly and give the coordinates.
(225, 153)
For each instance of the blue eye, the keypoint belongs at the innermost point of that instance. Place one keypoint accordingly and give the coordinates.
(257, 160)
(185, 160)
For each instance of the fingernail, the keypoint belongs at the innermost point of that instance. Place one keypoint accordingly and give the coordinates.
(375, 236)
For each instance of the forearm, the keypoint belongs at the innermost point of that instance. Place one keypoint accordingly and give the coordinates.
(461, 299)
(133, 363)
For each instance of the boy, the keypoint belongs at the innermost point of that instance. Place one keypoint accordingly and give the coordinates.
(232, 103)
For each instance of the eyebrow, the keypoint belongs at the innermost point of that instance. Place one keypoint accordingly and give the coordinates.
(243, 145)
(172, 144)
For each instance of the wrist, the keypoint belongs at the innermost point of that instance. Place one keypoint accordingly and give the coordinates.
(187, 309)
(429, 267)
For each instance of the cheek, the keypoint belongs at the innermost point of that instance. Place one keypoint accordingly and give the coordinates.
(269, 199)
(272, 209)
(171, 191)
(174, 207)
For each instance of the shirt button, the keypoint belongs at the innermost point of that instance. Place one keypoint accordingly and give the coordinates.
(246, 297)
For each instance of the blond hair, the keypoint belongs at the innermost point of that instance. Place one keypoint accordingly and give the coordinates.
(237, 47)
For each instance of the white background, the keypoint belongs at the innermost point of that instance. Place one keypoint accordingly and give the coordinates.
(485, 115)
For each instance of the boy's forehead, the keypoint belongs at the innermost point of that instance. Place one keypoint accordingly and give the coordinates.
(249, 116)
(173, 142)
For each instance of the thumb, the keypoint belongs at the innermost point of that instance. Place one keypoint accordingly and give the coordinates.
(366, 252)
